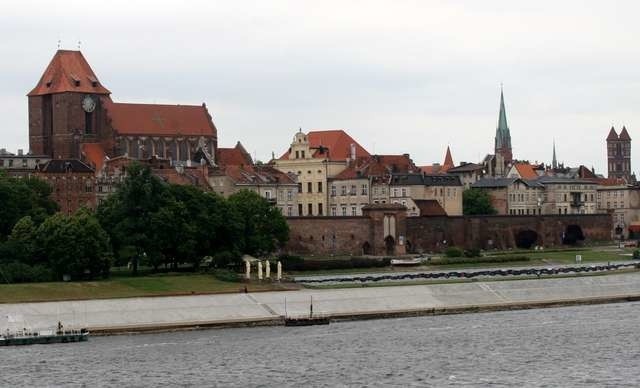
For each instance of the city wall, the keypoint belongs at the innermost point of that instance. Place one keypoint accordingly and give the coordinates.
(365, 235)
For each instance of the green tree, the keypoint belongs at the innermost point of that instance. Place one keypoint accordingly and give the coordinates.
(477, 202)
(75, 245)
(263, 227)
(22, 242)
(23, 197)
(127, 215)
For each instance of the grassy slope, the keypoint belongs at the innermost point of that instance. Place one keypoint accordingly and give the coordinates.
(123, 287)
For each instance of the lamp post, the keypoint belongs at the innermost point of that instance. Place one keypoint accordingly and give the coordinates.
(619, 229)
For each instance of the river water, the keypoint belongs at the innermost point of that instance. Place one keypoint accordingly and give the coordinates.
(584, 346)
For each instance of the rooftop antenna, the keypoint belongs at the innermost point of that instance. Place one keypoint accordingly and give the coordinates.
(59, 41)
(79, 44)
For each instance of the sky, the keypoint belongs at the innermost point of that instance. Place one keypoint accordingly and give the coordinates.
(399, 76)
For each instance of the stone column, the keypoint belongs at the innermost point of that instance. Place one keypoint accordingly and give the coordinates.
(259, 270)
(267, 270)
(279, 270)
(247, 267)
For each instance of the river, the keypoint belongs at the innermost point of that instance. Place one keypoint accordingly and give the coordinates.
(584, 346)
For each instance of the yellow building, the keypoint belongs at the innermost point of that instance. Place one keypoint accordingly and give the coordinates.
(315, 157)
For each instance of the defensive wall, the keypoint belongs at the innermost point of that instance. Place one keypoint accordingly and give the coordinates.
(385, 230)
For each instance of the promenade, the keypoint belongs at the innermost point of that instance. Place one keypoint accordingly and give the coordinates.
(158, 313)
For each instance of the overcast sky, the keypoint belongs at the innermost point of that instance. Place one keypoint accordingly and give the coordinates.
(399, 76)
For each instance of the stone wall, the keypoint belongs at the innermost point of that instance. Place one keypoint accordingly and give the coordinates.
(357, 235)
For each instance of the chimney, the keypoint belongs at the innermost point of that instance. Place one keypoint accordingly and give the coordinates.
(353, 151)
(20, 152)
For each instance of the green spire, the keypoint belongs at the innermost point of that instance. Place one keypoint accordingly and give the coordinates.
(502, 119)
(503, 137)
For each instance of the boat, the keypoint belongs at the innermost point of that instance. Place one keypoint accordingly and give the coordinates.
(412, 261)
(305, 320)
(28, 337)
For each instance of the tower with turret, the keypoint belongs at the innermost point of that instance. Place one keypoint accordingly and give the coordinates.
(619, 154)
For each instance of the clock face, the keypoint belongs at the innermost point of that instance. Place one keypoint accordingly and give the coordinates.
(88, 104)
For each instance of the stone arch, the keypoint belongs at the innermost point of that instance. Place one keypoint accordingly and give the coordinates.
(526, 238)
(366, 248)
(389, 244)
(572, 235)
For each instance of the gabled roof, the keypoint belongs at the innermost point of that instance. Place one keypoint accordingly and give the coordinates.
(236, 156)
(94, 154)
(68, 71)
(153, 119)
(493, 183)
(525, 170)
(467, 167)
(377, 166)
(429, 207)
(624, 135)
(58, 166)
(333, 144)
(612, 134)
(256, 175)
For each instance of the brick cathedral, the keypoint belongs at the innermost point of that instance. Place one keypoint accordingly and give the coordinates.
(72, 116)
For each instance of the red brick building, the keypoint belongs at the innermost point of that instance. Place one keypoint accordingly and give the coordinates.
(72, 116)
(73, 183)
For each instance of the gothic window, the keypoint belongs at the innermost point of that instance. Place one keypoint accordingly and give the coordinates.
(88, 122)
(183, 152)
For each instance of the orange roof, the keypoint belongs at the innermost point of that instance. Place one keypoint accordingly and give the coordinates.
(525, 170)
(94, 154)
(68, 71)
(610, 181)
(448, 161)
(161, 120)
(236, 156)
(333, 144)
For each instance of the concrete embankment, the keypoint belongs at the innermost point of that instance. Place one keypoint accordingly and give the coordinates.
(268, 308)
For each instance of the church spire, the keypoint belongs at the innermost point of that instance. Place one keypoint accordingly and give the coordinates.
(554, 162)
(503, 136)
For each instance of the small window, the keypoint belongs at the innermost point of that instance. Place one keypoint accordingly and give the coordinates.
(309, 187)
(310, 209)
(319, 187)
(320, 209)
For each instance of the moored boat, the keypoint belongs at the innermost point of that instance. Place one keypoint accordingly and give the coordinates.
(28, 337)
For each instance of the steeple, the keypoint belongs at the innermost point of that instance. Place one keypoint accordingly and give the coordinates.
(503, 136)
(554, 162)
(448, 160)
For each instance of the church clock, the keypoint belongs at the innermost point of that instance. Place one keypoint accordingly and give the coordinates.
(88, 104)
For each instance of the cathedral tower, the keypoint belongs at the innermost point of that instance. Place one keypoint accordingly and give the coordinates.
(619, 154)
(65, 107)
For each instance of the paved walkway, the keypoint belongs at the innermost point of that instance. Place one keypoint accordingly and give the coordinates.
(136, 312)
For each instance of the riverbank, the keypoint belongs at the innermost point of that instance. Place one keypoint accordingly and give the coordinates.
(127, 315)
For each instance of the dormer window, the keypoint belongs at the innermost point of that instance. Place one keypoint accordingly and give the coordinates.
(76, 80)
(48, 84)
(94, 82)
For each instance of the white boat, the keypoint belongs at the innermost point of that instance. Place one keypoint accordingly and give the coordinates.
(412, 261)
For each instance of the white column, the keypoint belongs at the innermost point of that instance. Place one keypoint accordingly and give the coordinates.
(279, 271)
(259, 270)
(267, 270)
(247, 267)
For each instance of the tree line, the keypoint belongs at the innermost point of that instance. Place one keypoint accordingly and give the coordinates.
(145, 222)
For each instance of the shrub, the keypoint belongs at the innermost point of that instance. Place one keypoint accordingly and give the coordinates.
(636, 254)
(22, 273)
(473, 252)
(290, 262)
(226, 275)
(453, 252)
(225, 259)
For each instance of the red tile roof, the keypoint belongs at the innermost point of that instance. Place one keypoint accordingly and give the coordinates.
(525, 170)
(236, 156)
(612, 135)
(610, 181)
(160, 120)
(334, 144)
(68, 71)
(624, 135)
(94, 154)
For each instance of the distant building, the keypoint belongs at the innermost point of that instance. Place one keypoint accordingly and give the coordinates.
(445, 189)
(73, 184)
(20, 164)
